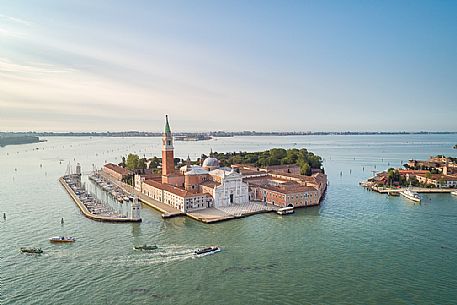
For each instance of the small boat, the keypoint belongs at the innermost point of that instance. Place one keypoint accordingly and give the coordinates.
(454, 193)
(394, 194)
(208, 250)
(145, 247)
(31, 250)
(411, 195)
(285, 211)
(62, 239)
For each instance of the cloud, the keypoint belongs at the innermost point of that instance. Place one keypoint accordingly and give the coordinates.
(10, 33)
(15, 20)
(7, 65)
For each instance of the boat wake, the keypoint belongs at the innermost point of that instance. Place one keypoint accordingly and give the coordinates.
(163, 255)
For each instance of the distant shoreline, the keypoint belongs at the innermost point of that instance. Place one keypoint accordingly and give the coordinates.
(219, 134)
(18, 139)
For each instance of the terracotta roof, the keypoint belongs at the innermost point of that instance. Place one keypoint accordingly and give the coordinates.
(173, 189)
(288, 190)
(412, 171)
(210, 183)
(118, 169)
(282, 166)
(320, 177)
(441, 177)
(251, 172)
(152, 176)
(167, 187)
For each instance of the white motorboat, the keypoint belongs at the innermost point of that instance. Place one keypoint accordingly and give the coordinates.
(285, 211)
(454, 193)
(62, 239)
(414, 196)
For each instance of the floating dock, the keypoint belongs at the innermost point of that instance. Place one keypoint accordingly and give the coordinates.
(85, 211)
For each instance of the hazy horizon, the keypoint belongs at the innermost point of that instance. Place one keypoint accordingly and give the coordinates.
(232, 66)
(239, 131)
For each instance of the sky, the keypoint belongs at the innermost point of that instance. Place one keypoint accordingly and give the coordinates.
(228, 65)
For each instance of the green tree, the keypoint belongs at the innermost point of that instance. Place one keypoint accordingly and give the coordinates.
(132, 161)
(155, 162)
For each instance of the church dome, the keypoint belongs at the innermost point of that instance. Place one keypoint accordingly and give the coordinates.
(210, 162)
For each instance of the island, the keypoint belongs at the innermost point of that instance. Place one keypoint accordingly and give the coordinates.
(197, 137)
(18, 139)
(437, 174)
(221, 186)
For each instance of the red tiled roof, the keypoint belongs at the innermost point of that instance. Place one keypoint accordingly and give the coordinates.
(210, 183)
(441, 177)
(282, 166)
(173, 189)
(412, 171)
(288, 190)
(167, 187)
(118, 169)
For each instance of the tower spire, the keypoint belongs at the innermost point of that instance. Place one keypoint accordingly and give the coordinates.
(167, 151)
(167, 125)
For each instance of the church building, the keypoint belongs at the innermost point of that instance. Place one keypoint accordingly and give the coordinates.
(193, 187)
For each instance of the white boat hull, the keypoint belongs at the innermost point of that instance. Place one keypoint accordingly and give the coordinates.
(410, 197)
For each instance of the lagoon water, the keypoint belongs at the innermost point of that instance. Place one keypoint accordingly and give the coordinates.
(357, 247)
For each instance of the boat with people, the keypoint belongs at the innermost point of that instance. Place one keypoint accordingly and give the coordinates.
(31, 250)
(411, 195)
(62, 239)
(285, 211)
(145, 247)
(208, 250)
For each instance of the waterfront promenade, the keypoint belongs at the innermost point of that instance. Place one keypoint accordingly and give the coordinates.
(209, 215)
(212, 215)
(414, 189)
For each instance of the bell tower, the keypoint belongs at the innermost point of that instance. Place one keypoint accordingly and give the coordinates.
(168, 162)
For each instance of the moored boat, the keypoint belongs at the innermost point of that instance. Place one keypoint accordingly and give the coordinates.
(145, 247)
(208, 250)
(62, 239)
(411, 195)
(31, 250)
(454, 193)
(285, 211)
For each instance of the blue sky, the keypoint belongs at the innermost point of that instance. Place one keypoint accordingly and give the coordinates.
(232, 65)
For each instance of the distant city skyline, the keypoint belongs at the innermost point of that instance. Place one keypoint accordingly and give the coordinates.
(232, 66)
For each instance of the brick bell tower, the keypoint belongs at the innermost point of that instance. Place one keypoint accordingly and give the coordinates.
(168, 162)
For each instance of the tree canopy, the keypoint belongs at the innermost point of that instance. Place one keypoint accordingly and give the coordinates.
(132, 161)
(275, 156)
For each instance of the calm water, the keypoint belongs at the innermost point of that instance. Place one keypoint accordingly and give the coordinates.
(358, 247)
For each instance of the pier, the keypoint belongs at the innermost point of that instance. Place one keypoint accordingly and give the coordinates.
(414, 189)
(89, 206)
(213, 215)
